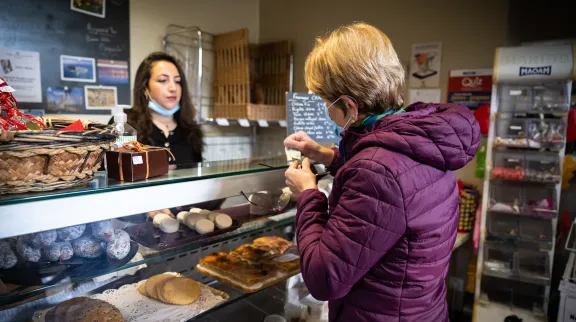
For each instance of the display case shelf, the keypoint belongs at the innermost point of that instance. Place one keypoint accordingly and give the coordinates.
(251, 226)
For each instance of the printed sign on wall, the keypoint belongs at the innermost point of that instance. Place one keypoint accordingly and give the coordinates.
(471, 87)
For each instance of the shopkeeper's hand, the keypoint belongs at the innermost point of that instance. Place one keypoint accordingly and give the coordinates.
(300, 179)
(309, 148)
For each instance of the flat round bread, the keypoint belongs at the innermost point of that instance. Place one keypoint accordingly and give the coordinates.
(142, 289)
(213, 215)
(199, 211)
(152, 284)
(223, 221)
(204, 226)
(179, 290)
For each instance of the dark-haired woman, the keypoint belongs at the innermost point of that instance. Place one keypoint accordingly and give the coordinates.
(162, 112)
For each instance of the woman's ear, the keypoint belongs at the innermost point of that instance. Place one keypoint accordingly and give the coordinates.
(351, 107)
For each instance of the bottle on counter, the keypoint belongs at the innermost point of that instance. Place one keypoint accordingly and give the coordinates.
(125, 131)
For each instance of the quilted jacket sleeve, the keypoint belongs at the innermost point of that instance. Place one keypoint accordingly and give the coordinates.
(338, 249)
(337, 162)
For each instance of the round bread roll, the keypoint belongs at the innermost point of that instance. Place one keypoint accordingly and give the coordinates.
(179, 291)
(212, 215)
(70, 233)
(182, 216)
(199, 211)
(158, 218)
(26, 251)
(43, 239)
(87, 246)
(223, 221)
(58, 251)
(119, 245)
(152, 283)
(204, 226)
(102, 230)
(169, 225)
(191, 220)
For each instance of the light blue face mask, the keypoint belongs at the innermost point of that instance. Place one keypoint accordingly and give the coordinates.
(338, 130)
(154, 106)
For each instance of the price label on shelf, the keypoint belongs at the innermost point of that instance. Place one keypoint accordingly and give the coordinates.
(263, 123)
(282, 123)
(244, 123)
(222, 122)
(137, 159)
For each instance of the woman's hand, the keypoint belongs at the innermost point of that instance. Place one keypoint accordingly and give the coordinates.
(300, 179)
(309, 148)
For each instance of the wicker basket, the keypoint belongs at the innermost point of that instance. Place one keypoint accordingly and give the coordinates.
(48, 160)
(251, 81)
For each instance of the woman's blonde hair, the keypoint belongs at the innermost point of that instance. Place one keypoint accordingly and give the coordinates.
(357, 60)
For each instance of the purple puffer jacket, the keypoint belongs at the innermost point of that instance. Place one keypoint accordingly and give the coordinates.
(381, 252)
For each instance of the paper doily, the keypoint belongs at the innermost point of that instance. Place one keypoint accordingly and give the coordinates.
(136, 307)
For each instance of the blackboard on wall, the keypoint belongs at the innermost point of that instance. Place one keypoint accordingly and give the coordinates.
(83, 49)
(308, 113)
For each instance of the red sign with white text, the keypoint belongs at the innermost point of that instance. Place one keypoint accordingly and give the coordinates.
(471, 87)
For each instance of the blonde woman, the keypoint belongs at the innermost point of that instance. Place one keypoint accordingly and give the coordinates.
(378, 249)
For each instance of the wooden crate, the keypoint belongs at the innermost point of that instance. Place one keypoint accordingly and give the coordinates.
(251, 80)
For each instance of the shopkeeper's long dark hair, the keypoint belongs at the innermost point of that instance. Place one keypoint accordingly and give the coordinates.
(141, 119)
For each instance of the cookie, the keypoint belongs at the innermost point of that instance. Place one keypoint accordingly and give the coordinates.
(152, 284)
(179, 291)
(169, 225)
(191, 220)
(223, 221)
(182, 216)
(204, 226)
(158, 219)
(70, 233)
(199, 211)
(26, 251)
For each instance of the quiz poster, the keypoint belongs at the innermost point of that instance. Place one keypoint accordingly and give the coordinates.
(471, 87)
(21, 70)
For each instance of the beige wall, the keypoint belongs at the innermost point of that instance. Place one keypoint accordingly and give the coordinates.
(149, 19)
(469, 30)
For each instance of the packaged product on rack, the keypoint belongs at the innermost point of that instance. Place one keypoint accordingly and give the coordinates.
(134, 161)
(10, 117)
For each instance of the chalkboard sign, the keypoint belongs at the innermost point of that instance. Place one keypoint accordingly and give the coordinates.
(66, 56)
(308, 113)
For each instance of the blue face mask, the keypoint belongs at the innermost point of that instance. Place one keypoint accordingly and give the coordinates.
(338, 130)
(154, 106)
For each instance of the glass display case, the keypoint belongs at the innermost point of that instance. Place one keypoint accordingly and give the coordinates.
(109, 240)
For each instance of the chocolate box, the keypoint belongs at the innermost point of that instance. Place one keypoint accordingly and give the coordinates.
(133, 166)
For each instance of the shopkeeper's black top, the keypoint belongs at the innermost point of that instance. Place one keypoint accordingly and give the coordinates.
(177, 142)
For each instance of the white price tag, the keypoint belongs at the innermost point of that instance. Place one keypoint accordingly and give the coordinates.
(244, 122)
(282, 123)
(515, 127)
(515, 92)
(137, 159)
(222, 122)
(263, 123)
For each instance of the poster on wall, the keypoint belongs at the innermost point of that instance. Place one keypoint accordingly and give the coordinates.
(101, 97)
(77, 69)
(433, 95)
(471, 87)
(425, 65)
(95, 8)
(64, 100)
(21, 69)
(112, 71)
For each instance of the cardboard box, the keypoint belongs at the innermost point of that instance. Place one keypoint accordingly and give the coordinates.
(134, 166)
